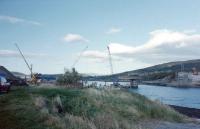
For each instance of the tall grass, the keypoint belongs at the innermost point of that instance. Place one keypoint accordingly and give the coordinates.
(80, 109)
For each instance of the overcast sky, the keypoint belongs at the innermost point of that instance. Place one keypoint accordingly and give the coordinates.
(140, 33)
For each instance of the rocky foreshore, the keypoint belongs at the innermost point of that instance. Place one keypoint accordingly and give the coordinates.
(191, 112)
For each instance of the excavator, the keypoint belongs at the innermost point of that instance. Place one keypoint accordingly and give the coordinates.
(35, 77)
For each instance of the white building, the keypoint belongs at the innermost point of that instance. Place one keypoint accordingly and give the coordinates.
(189, 77)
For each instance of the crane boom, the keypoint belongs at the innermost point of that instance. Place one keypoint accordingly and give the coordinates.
(110, 60)
(76, 61)
(29, 67)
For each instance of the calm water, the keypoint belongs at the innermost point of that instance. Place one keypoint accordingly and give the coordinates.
(187, 97)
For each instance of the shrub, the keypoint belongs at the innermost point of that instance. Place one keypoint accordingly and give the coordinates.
(70, 77)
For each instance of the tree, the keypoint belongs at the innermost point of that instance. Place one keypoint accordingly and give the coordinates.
(70, 77)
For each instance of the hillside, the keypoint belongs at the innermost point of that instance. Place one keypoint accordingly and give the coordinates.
(150, 73)
(60, 108)
(155, 72)
(168, 67)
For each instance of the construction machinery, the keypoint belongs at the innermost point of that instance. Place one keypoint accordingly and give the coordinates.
(115, 82)
(79, 57)
(131, 79)
(110, 60)
(35, 77)
(77, 60)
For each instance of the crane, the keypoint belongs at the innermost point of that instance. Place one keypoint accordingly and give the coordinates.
(115, 82)
(110, 60)
(79, 57)
(30, 67)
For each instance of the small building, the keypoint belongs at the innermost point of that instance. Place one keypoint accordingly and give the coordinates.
(188, 78)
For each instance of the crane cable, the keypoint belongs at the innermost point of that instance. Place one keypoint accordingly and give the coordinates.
(76, 61)
(29, 67)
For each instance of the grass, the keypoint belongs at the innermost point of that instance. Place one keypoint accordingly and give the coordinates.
(60, 108)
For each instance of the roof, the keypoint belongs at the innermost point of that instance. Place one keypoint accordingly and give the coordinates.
(7, 74)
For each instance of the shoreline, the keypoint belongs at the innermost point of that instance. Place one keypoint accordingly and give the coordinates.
(190, 112)
(167, 85)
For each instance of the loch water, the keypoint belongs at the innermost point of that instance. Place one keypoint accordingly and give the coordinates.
(186, 97)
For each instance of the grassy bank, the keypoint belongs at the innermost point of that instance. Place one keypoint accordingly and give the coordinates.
(59, 108)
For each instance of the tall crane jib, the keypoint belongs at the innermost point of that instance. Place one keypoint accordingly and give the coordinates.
(29, 67)
(34, 77)
(115, 82)
(79, 57)
(110, 60)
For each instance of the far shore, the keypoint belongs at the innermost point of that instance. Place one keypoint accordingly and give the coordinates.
(169, 85)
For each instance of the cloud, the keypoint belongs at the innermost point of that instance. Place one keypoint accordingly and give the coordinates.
(98, 56)
(75, 38)
(15, 54)
(163, 46)
(14, 20)
(113, 30)
(159, 40)
(95, 54)
(190, 31)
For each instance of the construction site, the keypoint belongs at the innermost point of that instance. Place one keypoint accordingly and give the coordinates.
(9, 79)
(99, 64)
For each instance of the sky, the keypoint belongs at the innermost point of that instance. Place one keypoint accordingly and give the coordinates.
(54, 35)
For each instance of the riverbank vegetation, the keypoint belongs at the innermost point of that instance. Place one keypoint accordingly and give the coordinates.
(61, 108)
(69, 78)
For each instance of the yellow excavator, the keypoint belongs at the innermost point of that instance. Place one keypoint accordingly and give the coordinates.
(35, 77)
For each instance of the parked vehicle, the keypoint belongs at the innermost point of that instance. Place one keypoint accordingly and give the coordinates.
(4, 85)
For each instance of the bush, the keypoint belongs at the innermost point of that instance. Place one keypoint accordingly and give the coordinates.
(69, 77)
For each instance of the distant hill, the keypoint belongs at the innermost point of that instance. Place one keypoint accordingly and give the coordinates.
(50, 76)
(150, 73)
(168, 67)
(157, 71)
(18, 74)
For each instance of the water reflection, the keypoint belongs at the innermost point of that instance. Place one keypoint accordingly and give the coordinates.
(188, 97)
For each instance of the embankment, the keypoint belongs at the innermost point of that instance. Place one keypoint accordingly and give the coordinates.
(61, 108)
